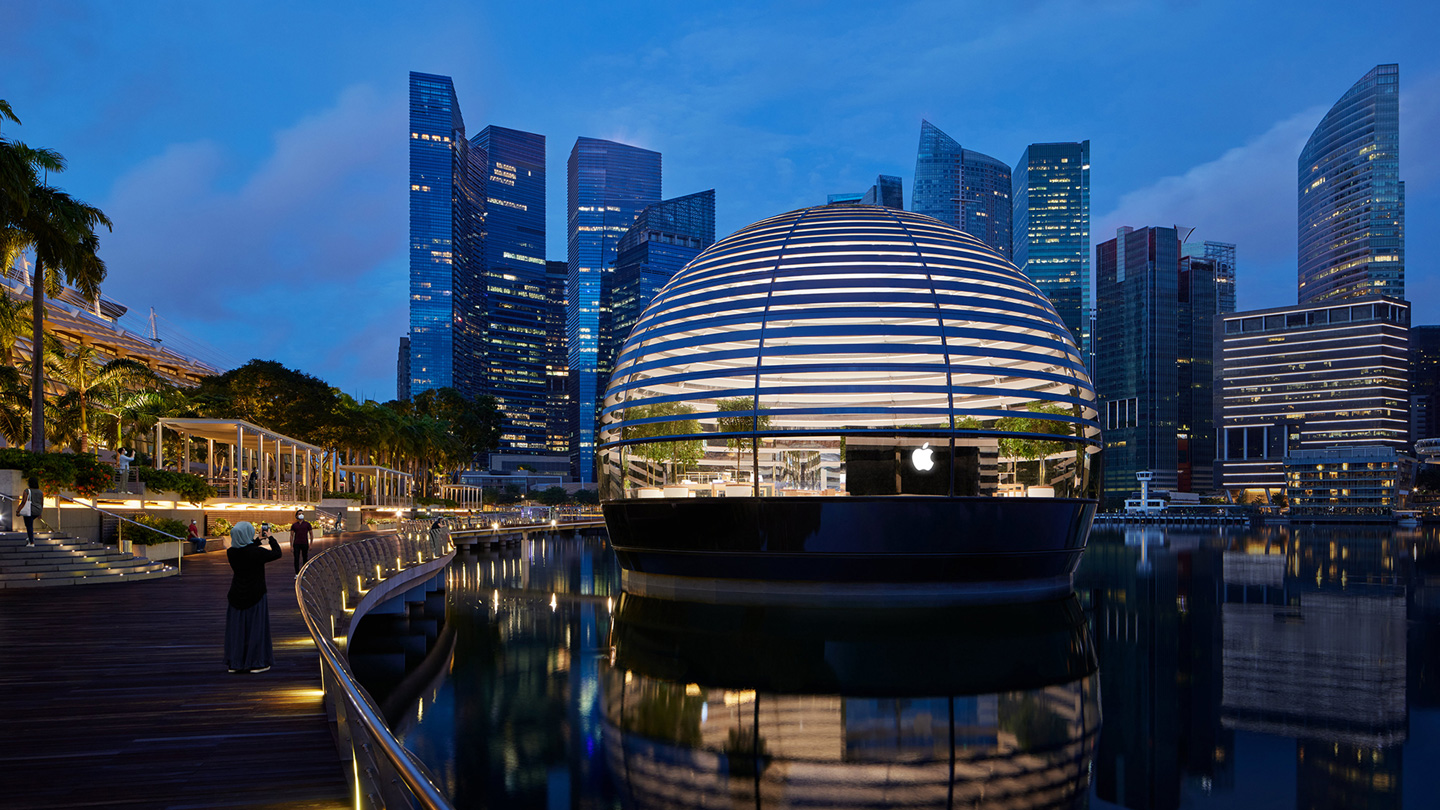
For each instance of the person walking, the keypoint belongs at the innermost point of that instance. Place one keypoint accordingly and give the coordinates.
(253, 483)
(247, 614)
(300, 541)
(32, 500)
(196, 538)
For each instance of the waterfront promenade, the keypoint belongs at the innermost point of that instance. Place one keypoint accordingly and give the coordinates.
(117, 696)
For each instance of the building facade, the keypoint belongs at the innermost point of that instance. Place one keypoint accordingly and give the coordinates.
(664, 238)
(512, 266)
(1351, 198)
(1050, 228)
(608, 185)
(1137, 291)
(557, 360)
(888, 191)
(444, 224)
(963, 187)
(1154, 356)
(1309, 377)
(1424, 382)
(402, 371)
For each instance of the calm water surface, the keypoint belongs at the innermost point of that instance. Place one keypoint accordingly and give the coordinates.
(1276, 668)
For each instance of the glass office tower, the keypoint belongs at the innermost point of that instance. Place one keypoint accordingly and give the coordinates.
(608, 185)
(1137, 291)
(1051, 228)
(1351, 199)
(443, 220)
(963, 187)
(887, 191)
(512, 259)
(1222, 254)
(557, 360)
(664, 238)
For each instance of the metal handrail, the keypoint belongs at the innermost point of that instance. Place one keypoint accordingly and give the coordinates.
(179, 559)
(428, 547)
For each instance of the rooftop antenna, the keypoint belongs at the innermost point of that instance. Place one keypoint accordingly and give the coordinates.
(154, 334)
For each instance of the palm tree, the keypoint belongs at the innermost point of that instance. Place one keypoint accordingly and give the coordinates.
(14, 407)
(80, 372)
(60, 230)
(13, 325)
(132, 410)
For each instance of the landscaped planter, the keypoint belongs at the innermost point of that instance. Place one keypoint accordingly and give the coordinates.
(168, 550)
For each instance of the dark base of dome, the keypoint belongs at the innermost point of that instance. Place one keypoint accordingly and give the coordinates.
(880, 549)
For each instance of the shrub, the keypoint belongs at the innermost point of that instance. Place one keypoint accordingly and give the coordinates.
(80, 473)
(142, 536)
(447, 502)
(190, 487)
(349, 496)
(220, 527)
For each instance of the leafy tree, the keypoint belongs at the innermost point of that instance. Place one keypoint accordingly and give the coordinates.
(13, 325)
(587, 497)
(665, 450)
(1428, 479)
(82, 374)
(553, 496)
(60, 229)
(1030, 448)
(740, 424)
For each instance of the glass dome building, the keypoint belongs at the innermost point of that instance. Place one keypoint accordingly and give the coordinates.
(849, 396)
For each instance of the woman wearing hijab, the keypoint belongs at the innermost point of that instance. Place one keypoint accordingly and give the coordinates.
(247, 619)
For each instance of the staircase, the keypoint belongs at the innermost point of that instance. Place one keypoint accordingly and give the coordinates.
(59, 559)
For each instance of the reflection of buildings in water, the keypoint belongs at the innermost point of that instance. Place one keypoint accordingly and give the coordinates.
(1328, 668)
(517, 720)
(1157, 634)
(791, 708)
(1316, 649)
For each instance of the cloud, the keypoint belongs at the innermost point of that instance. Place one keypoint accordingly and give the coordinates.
(283, 259)
(1245, 196)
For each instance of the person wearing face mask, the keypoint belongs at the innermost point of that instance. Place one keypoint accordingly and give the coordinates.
(247, 614)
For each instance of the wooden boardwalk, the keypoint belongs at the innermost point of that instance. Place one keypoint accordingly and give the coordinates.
(117, 696)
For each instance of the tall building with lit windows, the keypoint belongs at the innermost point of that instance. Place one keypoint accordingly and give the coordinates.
(963, 187)
(512, 263)
(1313, 377)
(445, 224)
(664, 238)
(1051, 228)
(608, 185)
(477, 262)
(1351, 198)
(557, 360)
(1154, 359)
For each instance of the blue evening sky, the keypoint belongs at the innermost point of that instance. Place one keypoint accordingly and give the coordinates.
(253, 155)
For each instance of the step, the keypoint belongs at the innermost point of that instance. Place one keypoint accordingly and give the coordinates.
(98, 579)
(41, 554)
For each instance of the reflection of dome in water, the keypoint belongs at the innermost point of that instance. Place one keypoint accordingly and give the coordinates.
(841, 353)
(707, 705)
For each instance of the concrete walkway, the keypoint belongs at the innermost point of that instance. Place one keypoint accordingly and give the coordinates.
(117, 696)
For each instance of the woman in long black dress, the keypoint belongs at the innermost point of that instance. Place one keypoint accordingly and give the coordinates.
(247, 618)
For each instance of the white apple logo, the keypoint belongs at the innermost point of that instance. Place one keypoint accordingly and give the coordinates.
(923, 458)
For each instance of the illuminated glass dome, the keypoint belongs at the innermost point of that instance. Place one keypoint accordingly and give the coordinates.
(849, 351)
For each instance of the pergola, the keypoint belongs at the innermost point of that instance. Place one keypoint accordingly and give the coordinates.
(381, 486)
(467, 496)
(287, 469)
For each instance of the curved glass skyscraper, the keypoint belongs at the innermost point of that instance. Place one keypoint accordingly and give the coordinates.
(962, 187)
(1352, 203)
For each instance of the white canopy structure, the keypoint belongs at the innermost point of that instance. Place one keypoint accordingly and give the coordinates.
(286, 470)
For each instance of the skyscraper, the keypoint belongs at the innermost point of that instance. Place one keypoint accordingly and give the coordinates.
(1051, 228)
(608, 185)
(963, 187)
(1351, 199)
(664, 238)
(1154, 355)
(1223, 255)
(445, 181)
(1137, 291)
(402, 371)
(512, 264)
(557, 360)
(887, 191)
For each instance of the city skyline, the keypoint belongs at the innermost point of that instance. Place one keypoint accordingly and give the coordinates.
(279, 179)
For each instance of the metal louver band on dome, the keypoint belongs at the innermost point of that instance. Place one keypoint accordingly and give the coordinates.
(845, 321)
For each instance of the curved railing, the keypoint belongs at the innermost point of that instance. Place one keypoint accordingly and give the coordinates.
(335, 589)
